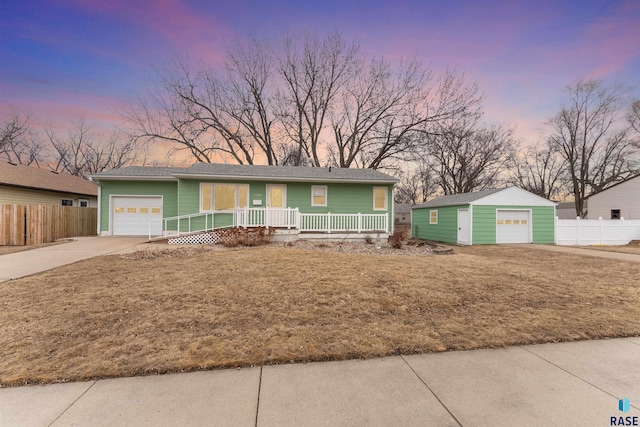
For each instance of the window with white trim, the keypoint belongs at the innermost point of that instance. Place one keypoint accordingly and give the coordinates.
(433, 217)
(380, 195)
(218, 197)
(318, 195)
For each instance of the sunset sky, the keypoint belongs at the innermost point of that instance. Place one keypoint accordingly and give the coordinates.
(64, 59)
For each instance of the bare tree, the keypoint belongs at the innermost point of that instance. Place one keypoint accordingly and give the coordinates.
(417, 185)
(309, 101)
(469, 157)
(634, 116)
(292, 155)
(540, 170)
(84, 150)
(19, 142)
(313, 72)
(212, 112)
(186, 109)
(592, 138)
(383, 112)
(249, 95)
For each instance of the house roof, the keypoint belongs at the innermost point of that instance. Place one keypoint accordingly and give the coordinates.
(568, 205)
(457, 199)
(42, 179)
(250, 172)
(142, 172)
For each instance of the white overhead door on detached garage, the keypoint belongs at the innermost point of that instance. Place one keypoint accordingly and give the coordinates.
(130, 215)
(513, 226)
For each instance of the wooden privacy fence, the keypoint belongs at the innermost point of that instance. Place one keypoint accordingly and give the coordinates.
(34, 224)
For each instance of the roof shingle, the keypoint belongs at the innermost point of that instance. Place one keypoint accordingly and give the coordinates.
(253, 172)
(457, 199)
(42, 179)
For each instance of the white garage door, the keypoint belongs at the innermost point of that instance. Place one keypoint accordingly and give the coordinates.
(513, 226)
(131, 215)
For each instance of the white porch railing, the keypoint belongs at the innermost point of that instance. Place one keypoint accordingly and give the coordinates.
(357, 223)
(183, 225)
(271, 217)
(267, 217)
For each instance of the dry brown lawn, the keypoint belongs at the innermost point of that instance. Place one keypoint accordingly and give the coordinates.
(187, 310)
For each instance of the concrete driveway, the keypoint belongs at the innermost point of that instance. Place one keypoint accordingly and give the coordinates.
(567, 384)
(25, 263)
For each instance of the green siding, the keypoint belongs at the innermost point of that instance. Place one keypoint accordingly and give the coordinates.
(484, 223)
(483, 230)
(168, 190)
(341, 198)
(543, 218)
(446, 230)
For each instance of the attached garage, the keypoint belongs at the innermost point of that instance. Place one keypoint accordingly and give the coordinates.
(133, 215)
(496, 216)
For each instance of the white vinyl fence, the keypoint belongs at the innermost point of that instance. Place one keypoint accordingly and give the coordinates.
(578, 232)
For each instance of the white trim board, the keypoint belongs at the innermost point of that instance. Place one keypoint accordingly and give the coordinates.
(513, 196)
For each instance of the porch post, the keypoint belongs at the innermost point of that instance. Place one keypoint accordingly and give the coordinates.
(329, 222)
(359, 222)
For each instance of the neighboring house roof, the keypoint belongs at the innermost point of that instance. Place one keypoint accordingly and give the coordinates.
(510, 196)
(569, 205)
(457, 199)
(42, 179)
(614, 185)
(250, 172)
(402, 208)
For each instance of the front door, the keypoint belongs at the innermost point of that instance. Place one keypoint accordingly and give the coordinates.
(276, 195)
(464, 227)
(276, 215)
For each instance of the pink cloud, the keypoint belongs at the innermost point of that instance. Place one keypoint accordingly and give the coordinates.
(64, 107)
(615, 41)
(176, 23)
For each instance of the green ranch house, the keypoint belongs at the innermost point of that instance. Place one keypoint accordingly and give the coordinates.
(300, 202)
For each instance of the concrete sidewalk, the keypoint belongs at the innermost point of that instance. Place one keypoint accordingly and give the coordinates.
(564, 384)
(25, 263)
(580, 251)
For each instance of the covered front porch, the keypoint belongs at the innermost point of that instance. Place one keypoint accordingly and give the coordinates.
(311, 225)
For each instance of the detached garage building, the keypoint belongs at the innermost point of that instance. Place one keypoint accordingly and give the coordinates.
(507, 215)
